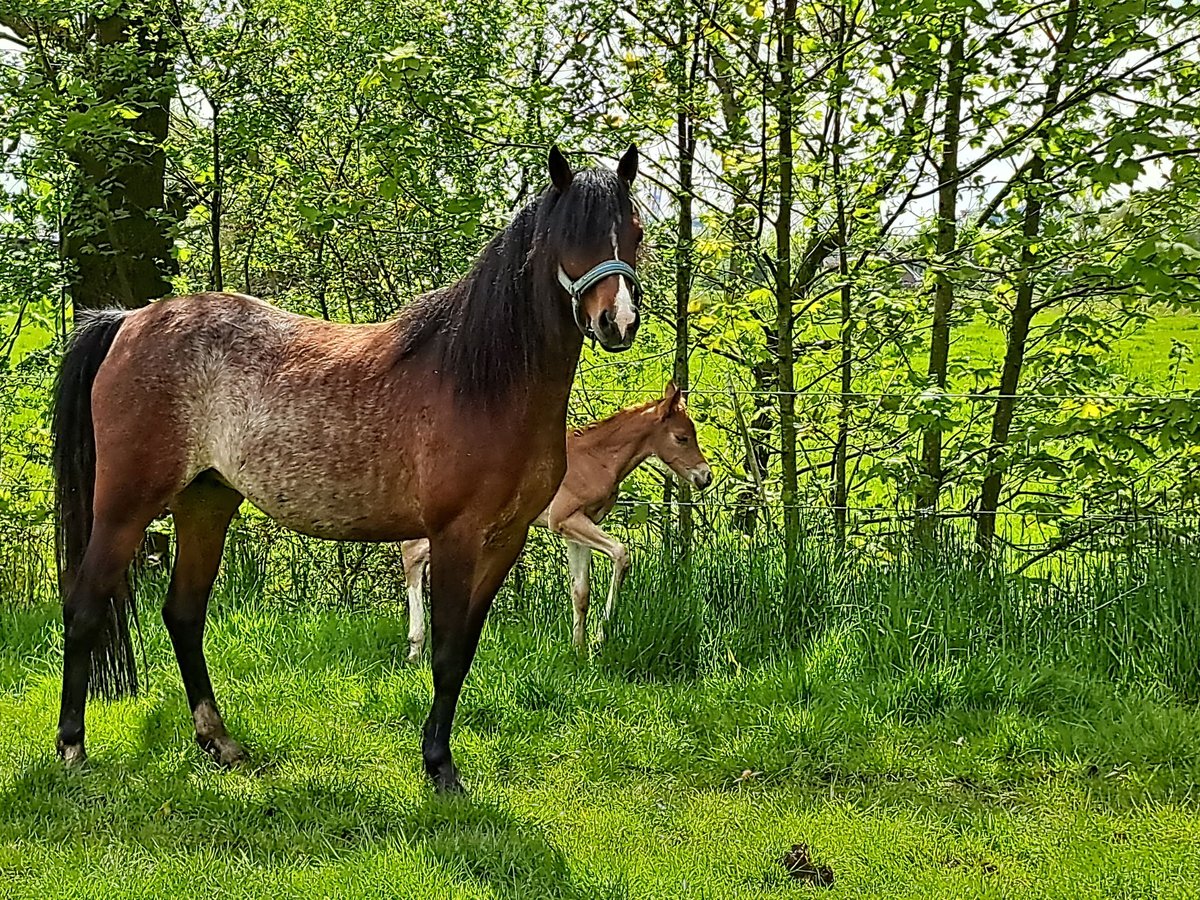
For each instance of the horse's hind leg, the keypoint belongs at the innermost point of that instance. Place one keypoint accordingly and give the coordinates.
(579, 562)
(581, 531)
(86, 613)
(416, 561)
(202, 513)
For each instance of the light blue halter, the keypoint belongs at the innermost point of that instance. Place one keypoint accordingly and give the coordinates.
(591, 278)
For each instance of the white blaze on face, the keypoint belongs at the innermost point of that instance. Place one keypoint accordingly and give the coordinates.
(625, 314)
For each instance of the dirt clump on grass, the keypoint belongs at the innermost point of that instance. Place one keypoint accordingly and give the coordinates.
(800, 866)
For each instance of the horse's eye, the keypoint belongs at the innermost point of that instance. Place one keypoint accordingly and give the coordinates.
(681, 439)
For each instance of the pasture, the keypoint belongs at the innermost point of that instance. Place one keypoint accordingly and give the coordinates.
(925, 731)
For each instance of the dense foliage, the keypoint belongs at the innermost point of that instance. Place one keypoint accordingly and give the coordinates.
(918, 262)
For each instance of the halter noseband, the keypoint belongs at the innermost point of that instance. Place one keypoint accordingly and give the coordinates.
(591, 278)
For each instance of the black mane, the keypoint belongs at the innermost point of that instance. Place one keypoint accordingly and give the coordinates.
(500, 326)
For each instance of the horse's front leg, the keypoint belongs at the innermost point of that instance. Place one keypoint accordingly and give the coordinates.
(466, 571)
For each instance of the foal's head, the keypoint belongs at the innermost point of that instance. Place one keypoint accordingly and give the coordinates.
(674, 439)
(591, 232)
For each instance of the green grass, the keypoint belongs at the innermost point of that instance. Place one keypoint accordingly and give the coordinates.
(1143, 356)
(912, 760)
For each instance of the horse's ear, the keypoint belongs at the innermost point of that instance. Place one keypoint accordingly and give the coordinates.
(560, 170)
(672, 400)
(628, 166)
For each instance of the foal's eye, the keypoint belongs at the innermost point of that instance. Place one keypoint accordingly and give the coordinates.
(681, 439)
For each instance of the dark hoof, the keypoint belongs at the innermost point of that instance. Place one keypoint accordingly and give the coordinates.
(225, 751)
(445, 779)
(72, 755)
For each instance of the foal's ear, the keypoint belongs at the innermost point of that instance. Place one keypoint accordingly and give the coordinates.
(628, 166)
(672, 399)
(560, 170)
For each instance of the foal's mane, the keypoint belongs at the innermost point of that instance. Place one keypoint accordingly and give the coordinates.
(500, 326)
(622, 413)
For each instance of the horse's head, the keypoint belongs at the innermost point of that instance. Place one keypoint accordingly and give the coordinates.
(674, 440)
(593, 232)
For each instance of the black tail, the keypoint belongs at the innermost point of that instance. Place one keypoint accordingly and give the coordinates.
(114, 673)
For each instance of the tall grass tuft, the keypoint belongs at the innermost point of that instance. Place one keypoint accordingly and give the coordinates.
(1129, 612)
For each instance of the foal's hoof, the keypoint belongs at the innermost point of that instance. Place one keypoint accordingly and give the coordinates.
(225, 751)
(72, 755)
(445, 779)
(414, 654)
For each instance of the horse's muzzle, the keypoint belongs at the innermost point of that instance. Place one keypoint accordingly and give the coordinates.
(611, 335)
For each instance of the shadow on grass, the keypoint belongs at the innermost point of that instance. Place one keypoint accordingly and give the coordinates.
(262, 818)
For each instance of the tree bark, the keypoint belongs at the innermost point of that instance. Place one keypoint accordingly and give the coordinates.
(116, 231)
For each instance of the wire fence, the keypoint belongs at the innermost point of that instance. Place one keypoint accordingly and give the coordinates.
(649, 513)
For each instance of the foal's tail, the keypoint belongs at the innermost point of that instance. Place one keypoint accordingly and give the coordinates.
(114, 673)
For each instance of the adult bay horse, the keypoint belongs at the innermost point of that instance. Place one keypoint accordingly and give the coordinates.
(447, 422)
(599, 457)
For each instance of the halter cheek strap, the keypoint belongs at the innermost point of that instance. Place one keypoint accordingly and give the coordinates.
(593, 277)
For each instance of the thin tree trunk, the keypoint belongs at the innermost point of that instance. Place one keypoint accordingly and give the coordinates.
(685, 145)
(216, 208)
(840, 495)
(1023, 308)
(683, 288)
(743, 243)
(930, 485)
(783, 285)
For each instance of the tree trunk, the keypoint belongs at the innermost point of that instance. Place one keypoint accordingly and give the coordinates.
(217, 277)
(686, 146)
(783, 286)
(1023, 308)
(116, 232)
(736, 141)
(840, 494)
(930, 484)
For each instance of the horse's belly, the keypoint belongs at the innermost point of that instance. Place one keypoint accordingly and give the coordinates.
(341, 522)
(318, 500)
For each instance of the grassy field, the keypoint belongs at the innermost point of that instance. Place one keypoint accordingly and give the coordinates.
(922, 763)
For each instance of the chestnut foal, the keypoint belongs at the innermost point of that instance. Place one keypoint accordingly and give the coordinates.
(599, 457)
(446, 422)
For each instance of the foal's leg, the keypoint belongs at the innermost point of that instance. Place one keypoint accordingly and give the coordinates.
(579, 529)
(416, 560)
(110, 550)
(579, 562)
(202, 513)
(465, 573)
